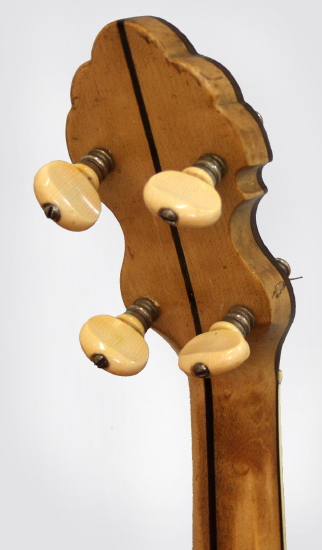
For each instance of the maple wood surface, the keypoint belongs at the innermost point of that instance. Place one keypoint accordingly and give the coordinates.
(194, 107)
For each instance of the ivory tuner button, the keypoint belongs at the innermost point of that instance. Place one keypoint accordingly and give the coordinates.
(119, 339)
(69, 194)
(188, 198)
(221, 349)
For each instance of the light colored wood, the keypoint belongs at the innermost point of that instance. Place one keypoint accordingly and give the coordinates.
(105, 114)
(119, 339)
(190, 194)
(227, 262)
(280, 379)
(221, 349)
(74, 189)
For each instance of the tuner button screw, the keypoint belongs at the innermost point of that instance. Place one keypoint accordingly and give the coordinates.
(100, 361)
(168, 216)
(201, 370)
(52, 212)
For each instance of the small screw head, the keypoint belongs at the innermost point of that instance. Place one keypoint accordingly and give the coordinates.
(100, 361)
(52, 212)
(168, 215)
(201, 370)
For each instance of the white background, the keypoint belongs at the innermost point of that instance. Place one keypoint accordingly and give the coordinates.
(92, 461)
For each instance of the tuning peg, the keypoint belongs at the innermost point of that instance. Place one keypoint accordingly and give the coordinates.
(221, 349)
(187, 198)
(116, 344)
(68, 193)
(284, 265)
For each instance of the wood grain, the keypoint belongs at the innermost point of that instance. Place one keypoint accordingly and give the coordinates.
(149, 98)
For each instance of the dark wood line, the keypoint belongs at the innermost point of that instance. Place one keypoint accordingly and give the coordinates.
(139, 96)
(187, 280)
(210, 436)
(188, 285)
(157, 167)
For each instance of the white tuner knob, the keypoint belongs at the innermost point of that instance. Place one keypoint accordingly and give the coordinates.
(187, 198)
(68, 193)
(116, 344)
(220, 350)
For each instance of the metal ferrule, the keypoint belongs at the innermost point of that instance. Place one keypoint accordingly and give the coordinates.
(213, 165)
(242, 318)
(145, 310)
(102, 159)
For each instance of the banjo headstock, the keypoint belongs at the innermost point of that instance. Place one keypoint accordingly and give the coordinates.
(163, 137)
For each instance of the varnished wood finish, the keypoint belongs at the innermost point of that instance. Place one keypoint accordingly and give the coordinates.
(155, 104)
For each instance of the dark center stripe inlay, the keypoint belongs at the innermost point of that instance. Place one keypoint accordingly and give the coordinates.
(188, 285)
